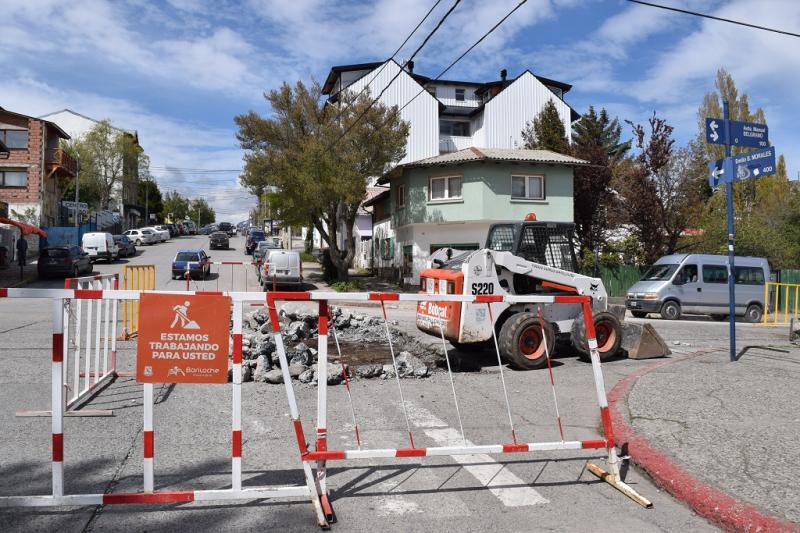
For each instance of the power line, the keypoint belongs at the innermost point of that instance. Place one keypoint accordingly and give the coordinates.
(366, 86)
(721, 19)
(424, 42)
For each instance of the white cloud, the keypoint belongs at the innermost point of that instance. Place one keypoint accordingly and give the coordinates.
(168, 142)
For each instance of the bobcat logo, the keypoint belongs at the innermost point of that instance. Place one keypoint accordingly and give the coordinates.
(594, 286)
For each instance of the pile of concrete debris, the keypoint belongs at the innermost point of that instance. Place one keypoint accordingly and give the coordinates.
(261, 363)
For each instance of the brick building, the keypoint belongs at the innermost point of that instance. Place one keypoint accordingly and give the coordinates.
(33, 167)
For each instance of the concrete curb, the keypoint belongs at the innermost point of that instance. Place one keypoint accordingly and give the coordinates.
(707, 501)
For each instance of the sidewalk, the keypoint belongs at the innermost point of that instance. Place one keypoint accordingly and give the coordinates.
(9, 277)
(721, 436)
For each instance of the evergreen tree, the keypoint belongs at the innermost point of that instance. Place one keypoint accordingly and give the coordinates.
(596, 139)
(546, 131)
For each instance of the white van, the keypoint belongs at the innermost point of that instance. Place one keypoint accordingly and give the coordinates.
(100, 246)
(281, 268)
(698, 284)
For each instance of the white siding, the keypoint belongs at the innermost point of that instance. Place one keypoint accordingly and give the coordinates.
(507, 113)
(422, 113)
(446, 94)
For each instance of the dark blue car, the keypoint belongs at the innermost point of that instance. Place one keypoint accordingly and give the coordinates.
(196, 259)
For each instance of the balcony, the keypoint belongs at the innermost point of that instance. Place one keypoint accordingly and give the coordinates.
(60, 161)
(453, 143)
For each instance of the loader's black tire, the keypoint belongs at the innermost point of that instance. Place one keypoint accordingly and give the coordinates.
(521, 342)
(470, 346)
(608, 331)
(639, 314)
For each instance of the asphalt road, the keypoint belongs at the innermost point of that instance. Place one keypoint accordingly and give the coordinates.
(525, 492)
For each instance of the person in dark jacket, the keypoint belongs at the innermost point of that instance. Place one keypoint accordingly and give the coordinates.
(22, 250)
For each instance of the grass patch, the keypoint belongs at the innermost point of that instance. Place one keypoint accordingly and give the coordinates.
(346, 286)
(308, 258)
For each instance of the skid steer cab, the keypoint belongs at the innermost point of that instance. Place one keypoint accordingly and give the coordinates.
(523, 258)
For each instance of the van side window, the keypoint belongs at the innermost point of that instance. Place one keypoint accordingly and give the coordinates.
(749, 275)
(688, 274)
(715, 274)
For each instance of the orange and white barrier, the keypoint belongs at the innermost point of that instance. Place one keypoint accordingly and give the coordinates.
(315, 487)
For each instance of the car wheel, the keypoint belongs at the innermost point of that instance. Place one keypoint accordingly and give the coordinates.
(522, 341)
(671, 310)
(638, 314)
(138, 242)
(753, 314)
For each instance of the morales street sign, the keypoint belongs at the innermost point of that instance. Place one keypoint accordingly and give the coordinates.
(753, 164)
(183, 338)
(747, 134)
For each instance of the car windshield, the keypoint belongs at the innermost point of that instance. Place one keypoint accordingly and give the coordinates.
(55, 252)
(263, 245)
(659, 272)
(257, 235)
(187, 256)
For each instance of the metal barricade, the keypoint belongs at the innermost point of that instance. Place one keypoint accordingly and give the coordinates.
(782, 302)
(135, 278)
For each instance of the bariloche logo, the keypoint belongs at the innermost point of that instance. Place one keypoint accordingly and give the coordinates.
(175, 370)
(182, 319)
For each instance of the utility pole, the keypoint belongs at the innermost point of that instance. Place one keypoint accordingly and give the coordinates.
(146, 203)
(77, 196)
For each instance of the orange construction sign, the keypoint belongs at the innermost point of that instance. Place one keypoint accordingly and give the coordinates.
(183, 338)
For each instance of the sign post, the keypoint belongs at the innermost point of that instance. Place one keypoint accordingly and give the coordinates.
(730, 169)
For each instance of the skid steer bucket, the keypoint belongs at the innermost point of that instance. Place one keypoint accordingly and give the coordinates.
(641, 341)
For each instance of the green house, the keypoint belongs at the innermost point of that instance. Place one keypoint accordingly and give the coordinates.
(452, 199)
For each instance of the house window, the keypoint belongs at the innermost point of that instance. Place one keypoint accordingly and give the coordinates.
(459, 95)
(401, 196)
(445, 188)
(387, 248)
(13, 178)
(453, 127)
(15, 139)
(527, 187)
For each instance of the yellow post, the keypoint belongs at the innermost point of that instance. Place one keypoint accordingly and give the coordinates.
(777, 297)
(766, 302)
(786, 306)
(796, 289)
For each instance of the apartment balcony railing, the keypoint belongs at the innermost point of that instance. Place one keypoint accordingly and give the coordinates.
(453, 143)
(59, 160)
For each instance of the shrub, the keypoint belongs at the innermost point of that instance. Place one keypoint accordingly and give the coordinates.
(346, 286)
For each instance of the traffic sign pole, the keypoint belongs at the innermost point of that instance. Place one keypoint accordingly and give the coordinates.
(731, 272)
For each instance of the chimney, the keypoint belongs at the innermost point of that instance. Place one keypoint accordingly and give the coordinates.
(503, 75)
(410, 67)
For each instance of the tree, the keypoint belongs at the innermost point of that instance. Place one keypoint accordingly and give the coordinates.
(201, 212)
(546, 131)
(319, 156)
(105, 154)
(655, 197)
(765, 209)
(149, 197)
(176, 206)
(596, 139)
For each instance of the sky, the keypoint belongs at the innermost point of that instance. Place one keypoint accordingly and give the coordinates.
(178, 71)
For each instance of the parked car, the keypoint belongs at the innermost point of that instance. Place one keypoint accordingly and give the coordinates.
(261, 249)
(100, 245)
(141, 236)
(281, 268)
(253, 238)
(67, 261)
(698, 284)
(173, 230)
(196, 259)
(161, 235)
(125, 245)
(219, 239)
(165, 230)
(191, 228)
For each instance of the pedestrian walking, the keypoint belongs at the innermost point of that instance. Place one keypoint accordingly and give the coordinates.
(22, 250)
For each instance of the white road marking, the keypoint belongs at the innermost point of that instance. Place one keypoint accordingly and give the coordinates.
(500, 481)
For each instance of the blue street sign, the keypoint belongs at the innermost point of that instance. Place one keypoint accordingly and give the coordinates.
(753, 164)
(715, 131)
(747, 134)
(718, 170)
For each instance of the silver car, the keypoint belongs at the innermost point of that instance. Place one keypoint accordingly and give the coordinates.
(698, 284)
